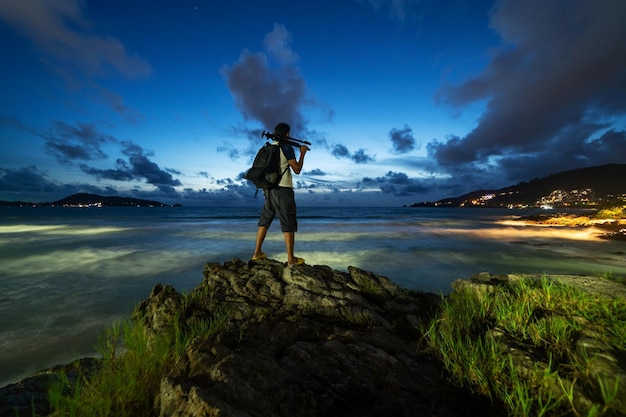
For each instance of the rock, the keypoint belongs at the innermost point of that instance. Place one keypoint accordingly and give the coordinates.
(306, 341)
(29, 396)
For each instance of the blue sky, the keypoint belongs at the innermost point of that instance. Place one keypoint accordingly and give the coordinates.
(403, 100)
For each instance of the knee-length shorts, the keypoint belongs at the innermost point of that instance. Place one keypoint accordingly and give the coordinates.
(281, 201)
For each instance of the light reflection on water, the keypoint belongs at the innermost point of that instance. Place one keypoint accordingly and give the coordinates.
(67, 274)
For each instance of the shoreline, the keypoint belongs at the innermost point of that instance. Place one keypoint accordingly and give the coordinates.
(614, 229)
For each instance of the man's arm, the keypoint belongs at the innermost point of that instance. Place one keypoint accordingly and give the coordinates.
(296, 166)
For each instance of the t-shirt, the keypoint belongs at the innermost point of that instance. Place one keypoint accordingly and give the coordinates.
(287, 154)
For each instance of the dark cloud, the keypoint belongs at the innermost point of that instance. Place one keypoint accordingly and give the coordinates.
(82, 142)
(396, 183)
(277, 43)
(122, 172)
(268, 94)
(29, 184)
(138, 167)
(563, 152)
(117, 103)
(358, 157)
(554, 92)
(316, 172)
(26, 179)
(62, 33)
(66, 142)
(340, 151)
(173, 171)
(142, 166)
(68, 45)
(13, 122)
(268, 87)
(402, 140)
(231, 151)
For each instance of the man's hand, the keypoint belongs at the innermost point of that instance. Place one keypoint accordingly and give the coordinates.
(304, 149)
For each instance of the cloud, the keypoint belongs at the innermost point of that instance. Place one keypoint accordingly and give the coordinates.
(65, 37)
(554, 91)
(13, 123)
(402, 140)
(142, 166)
(340, 151)
(122, 173)
(69, 44)
(68, 143)
(264, 94)
(26, 179)
(396, 183)
(316, 172)
(117, 103)
(271, 93)
(29, 184)
(138, 167)
(277, 44)
(82, 142)
(358, 157)
(231, 151)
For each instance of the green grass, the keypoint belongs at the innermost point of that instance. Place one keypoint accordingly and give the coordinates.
(133, 364)
(484, 342)
(615, 212)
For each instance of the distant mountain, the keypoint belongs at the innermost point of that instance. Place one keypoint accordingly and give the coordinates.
(578, 187)
(94, 199)
(88, 200)
(16, 203)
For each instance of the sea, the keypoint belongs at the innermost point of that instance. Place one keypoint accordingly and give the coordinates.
(67, 274)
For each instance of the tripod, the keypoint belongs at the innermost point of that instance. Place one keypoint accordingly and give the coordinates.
(287, 139)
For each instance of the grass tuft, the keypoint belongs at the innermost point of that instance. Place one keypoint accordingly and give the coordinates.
(518, 344)
(133, 364)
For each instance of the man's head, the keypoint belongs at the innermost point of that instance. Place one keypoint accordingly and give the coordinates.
(282, 129)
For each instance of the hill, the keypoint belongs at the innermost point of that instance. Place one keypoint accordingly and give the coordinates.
(90, 200)
(579, 187)
(94, 199)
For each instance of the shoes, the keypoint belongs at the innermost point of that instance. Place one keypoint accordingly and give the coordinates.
(297, 261)
(258, 258)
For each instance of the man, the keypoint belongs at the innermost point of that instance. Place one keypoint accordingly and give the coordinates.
(281, 199)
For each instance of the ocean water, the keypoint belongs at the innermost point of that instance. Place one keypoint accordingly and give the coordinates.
(68, 273)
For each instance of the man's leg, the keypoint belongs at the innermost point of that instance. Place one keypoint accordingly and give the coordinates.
(265, 220)
(260, 237)
(290, 240)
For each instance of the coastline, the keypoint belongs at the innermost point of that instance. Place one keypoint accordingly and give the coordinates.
(603, 228)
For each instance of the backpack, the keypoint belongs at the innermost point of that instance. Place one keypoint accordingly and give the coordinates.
(265, 170)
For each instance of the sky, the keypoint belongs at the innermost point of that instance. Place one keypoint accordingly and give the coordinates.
(403, 100)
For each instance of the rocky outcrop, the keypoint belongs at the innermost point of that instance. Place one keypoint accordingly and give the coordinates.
(305, 341)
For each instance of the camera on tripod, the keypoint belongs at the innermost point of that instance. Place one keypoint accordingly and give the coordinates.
(285, 139)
